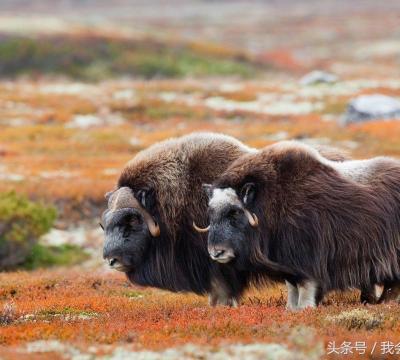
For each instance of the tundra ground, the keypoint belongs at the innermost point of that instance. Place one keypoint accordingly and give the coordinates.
(69, 150)
(83, 90)
(100, 313)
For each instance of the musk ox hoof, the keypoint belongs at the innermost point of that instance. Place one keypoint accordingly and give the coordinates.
(390, 293)
(231, 302)
(290, 307)
(301, 307)
(307, 306)
(372, 295)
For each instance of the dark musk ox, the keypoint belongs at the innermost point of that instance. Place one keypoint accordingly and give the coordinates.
(336, 223)
(148, 223)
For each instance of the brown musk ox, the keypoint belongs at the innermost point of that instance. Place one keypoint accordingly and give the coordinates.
(338, 223)
(148, 223)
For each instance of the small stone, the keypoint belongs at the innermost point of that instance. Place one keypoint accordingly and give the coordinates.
(318, 77)
(84, 121)
(125, 94)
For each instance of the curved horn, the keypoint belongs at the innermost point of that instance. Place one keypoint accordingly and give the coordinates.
(123, 198)
(200, 230)
(154, 228)
(253, 219)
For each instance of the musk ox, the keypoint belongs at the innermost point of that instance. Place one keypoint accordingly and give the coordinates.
(336, 223)
(148, 223)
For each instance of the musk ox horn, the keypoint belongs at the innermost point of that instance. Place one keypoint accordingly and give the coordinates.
(253, 219)
(199, 229)
(154, 228)
(123, 198)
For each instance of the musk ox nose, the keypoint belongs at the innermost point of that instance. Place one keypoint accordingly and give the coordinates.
(116, 263)
(221, 254)
(113, 261)
(114, 257)
(216, 253)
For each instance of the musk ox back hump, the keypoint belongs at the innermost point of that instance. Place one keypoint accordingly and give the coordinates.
(175, 169)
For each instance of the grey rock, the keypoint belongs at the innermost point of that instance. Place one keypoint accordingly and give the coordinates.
(372, 107)
(318, 77)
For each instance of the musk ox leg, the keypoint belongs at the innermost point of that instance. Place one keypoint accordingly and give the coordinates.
(391, 292)
(220, 294)
(293, 296)
(309, 294)
(371, 294)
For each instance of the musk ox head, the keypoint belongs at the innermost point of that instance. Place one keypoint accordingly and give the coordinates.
(230, 223)
(128, 228)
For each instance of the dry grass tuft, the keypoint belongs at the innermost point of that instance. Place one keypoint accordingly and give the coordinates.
(8, 314)
(357, 319)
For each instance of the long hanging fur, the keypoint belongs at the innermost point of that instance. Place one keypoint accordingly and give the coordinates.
(175, 169)
(340, 232)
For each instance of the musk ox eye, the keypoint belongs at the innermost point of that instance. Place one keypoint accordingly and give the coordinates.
(135, 220)
(130, 224)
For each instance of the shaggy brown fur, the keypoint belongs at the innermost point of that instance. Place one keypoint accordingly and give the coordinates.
(173, 172)
(315, 219)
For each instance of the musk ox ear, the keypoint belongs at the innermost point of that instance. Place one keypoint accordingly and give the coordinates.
(248, 193)
(147, 198)
(208, 189)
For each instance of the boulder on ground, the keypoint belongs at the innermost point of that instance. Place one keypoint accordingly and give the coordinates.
(372, 107)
